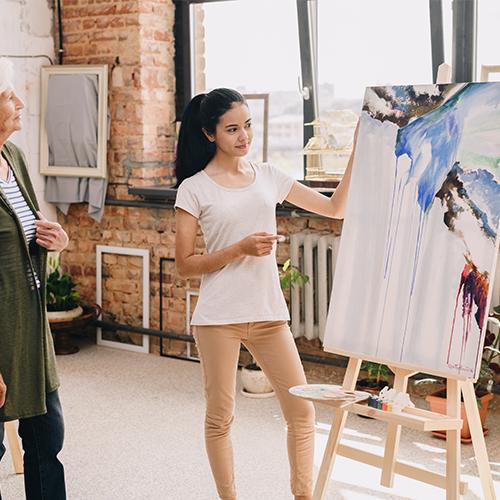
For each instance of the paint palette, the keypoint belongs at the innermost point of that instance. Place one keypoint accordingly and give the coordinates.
(328, 392)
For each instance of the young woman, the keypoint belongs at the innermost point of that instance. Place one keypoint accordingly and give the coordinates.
(240, 300)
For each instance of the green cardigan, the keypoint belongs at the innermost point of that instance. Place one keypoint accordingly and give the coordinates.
(27, 360)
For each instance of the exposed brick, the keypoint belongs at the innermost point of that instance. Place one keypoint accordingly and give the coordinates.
(140, 152)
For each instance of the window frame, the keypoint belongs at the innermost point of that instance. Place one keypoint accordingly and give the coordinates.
(183, 60)
(437, 35)
(183, 53)
(464, 44)
(308, 36)
(464, 50)
(264, 97)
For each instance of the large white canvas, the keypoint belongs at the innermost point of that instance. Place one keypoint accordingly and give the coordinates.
(419, 245)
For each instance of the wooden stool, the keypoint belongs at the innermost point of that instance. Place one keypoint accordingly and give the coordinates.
(15, 447)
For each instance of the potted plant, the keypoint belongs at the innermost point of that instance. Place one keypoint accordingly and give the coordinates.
(65, 312)
(254, 381)
(490, 370)
(63, 301)
(376, 379)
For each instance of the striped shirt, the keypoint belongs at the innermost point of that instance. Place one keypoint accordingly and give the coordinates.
(24, 213)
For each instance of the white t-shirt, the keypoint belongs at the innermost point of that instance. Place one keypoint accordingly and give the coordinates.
(247, 289)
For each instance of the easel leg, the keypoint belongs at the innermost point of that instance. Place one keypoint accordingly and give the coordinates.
(478, 442)
(338, 423)
(15, 447)
(453, 445)
(393, 432)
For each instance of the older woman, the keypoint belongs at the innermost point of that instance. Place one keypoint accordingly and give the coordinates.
(28, 379)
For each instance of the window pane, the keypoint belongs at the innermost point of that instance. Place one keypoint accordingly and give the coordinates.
(253, 46)
(488, 36)
(448, 30)
(362, 44)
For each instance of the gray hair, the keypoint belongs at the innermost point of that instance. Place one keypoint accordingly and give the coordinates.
(6, 74)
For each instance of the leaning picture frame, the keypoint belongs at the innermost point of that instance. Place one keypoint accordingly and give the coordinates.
(146, 293)
(487, 70)
(73, 120)
(260, 123)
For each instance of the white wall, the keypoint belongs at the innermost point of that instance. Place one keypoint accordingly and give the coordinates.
(28, 31)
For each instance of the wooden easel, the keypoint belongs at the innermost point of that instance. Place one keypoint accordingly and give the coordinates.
(416, 419)
(15, 447)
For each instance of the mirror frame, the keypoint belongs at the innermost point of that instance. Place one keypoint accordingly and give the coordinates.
(101, 70)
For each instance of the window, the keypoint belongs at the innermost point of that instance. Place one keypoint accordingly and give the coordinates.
(344, 46)
(371, 43)
(364, 44)
(448, 30)
(253, 47)
(488, 36)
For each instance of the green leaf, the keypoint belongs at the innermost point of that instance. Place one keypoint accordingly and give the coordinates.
(291, 275)
(61, 293)
(376, 371)
(52, 262)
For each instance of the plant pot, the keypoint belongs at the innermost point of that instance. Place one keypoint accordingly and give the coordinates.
(371, 385)
(64, 315)
(255, 382)
(64, 323)
(437, 403)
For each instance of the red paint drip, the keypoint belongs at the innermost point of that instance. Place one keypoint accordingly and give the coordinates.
(473, 287)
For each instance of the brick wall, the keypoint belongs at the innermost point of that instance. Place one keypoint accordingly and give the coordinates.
(140, 33)
(141, 149)
(153, 229)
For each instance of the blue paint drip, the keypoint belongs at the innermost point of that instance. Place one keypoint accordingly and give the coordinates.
(442, 132)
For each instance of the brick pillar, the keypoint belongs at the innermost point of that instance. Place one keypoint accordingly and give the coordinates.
(140, 150)
(140, 34)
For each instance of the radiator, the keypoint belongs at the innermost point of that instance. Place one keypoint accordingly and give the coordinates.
(315, 255)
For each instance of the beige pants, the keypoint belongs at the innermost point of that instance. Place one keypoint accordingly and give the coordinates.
(271, 344)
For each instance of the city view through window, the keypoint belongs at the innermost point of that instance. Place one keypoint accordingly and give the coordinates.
(253, 46)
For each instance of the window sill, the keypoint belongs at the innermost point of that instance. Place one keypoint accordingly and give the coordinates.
(321, 186)
(155, 193)
(169, 193)
(158, 196)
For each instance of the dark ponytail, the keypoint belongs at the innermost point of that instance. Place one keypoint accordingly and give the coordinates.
(194, 150)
